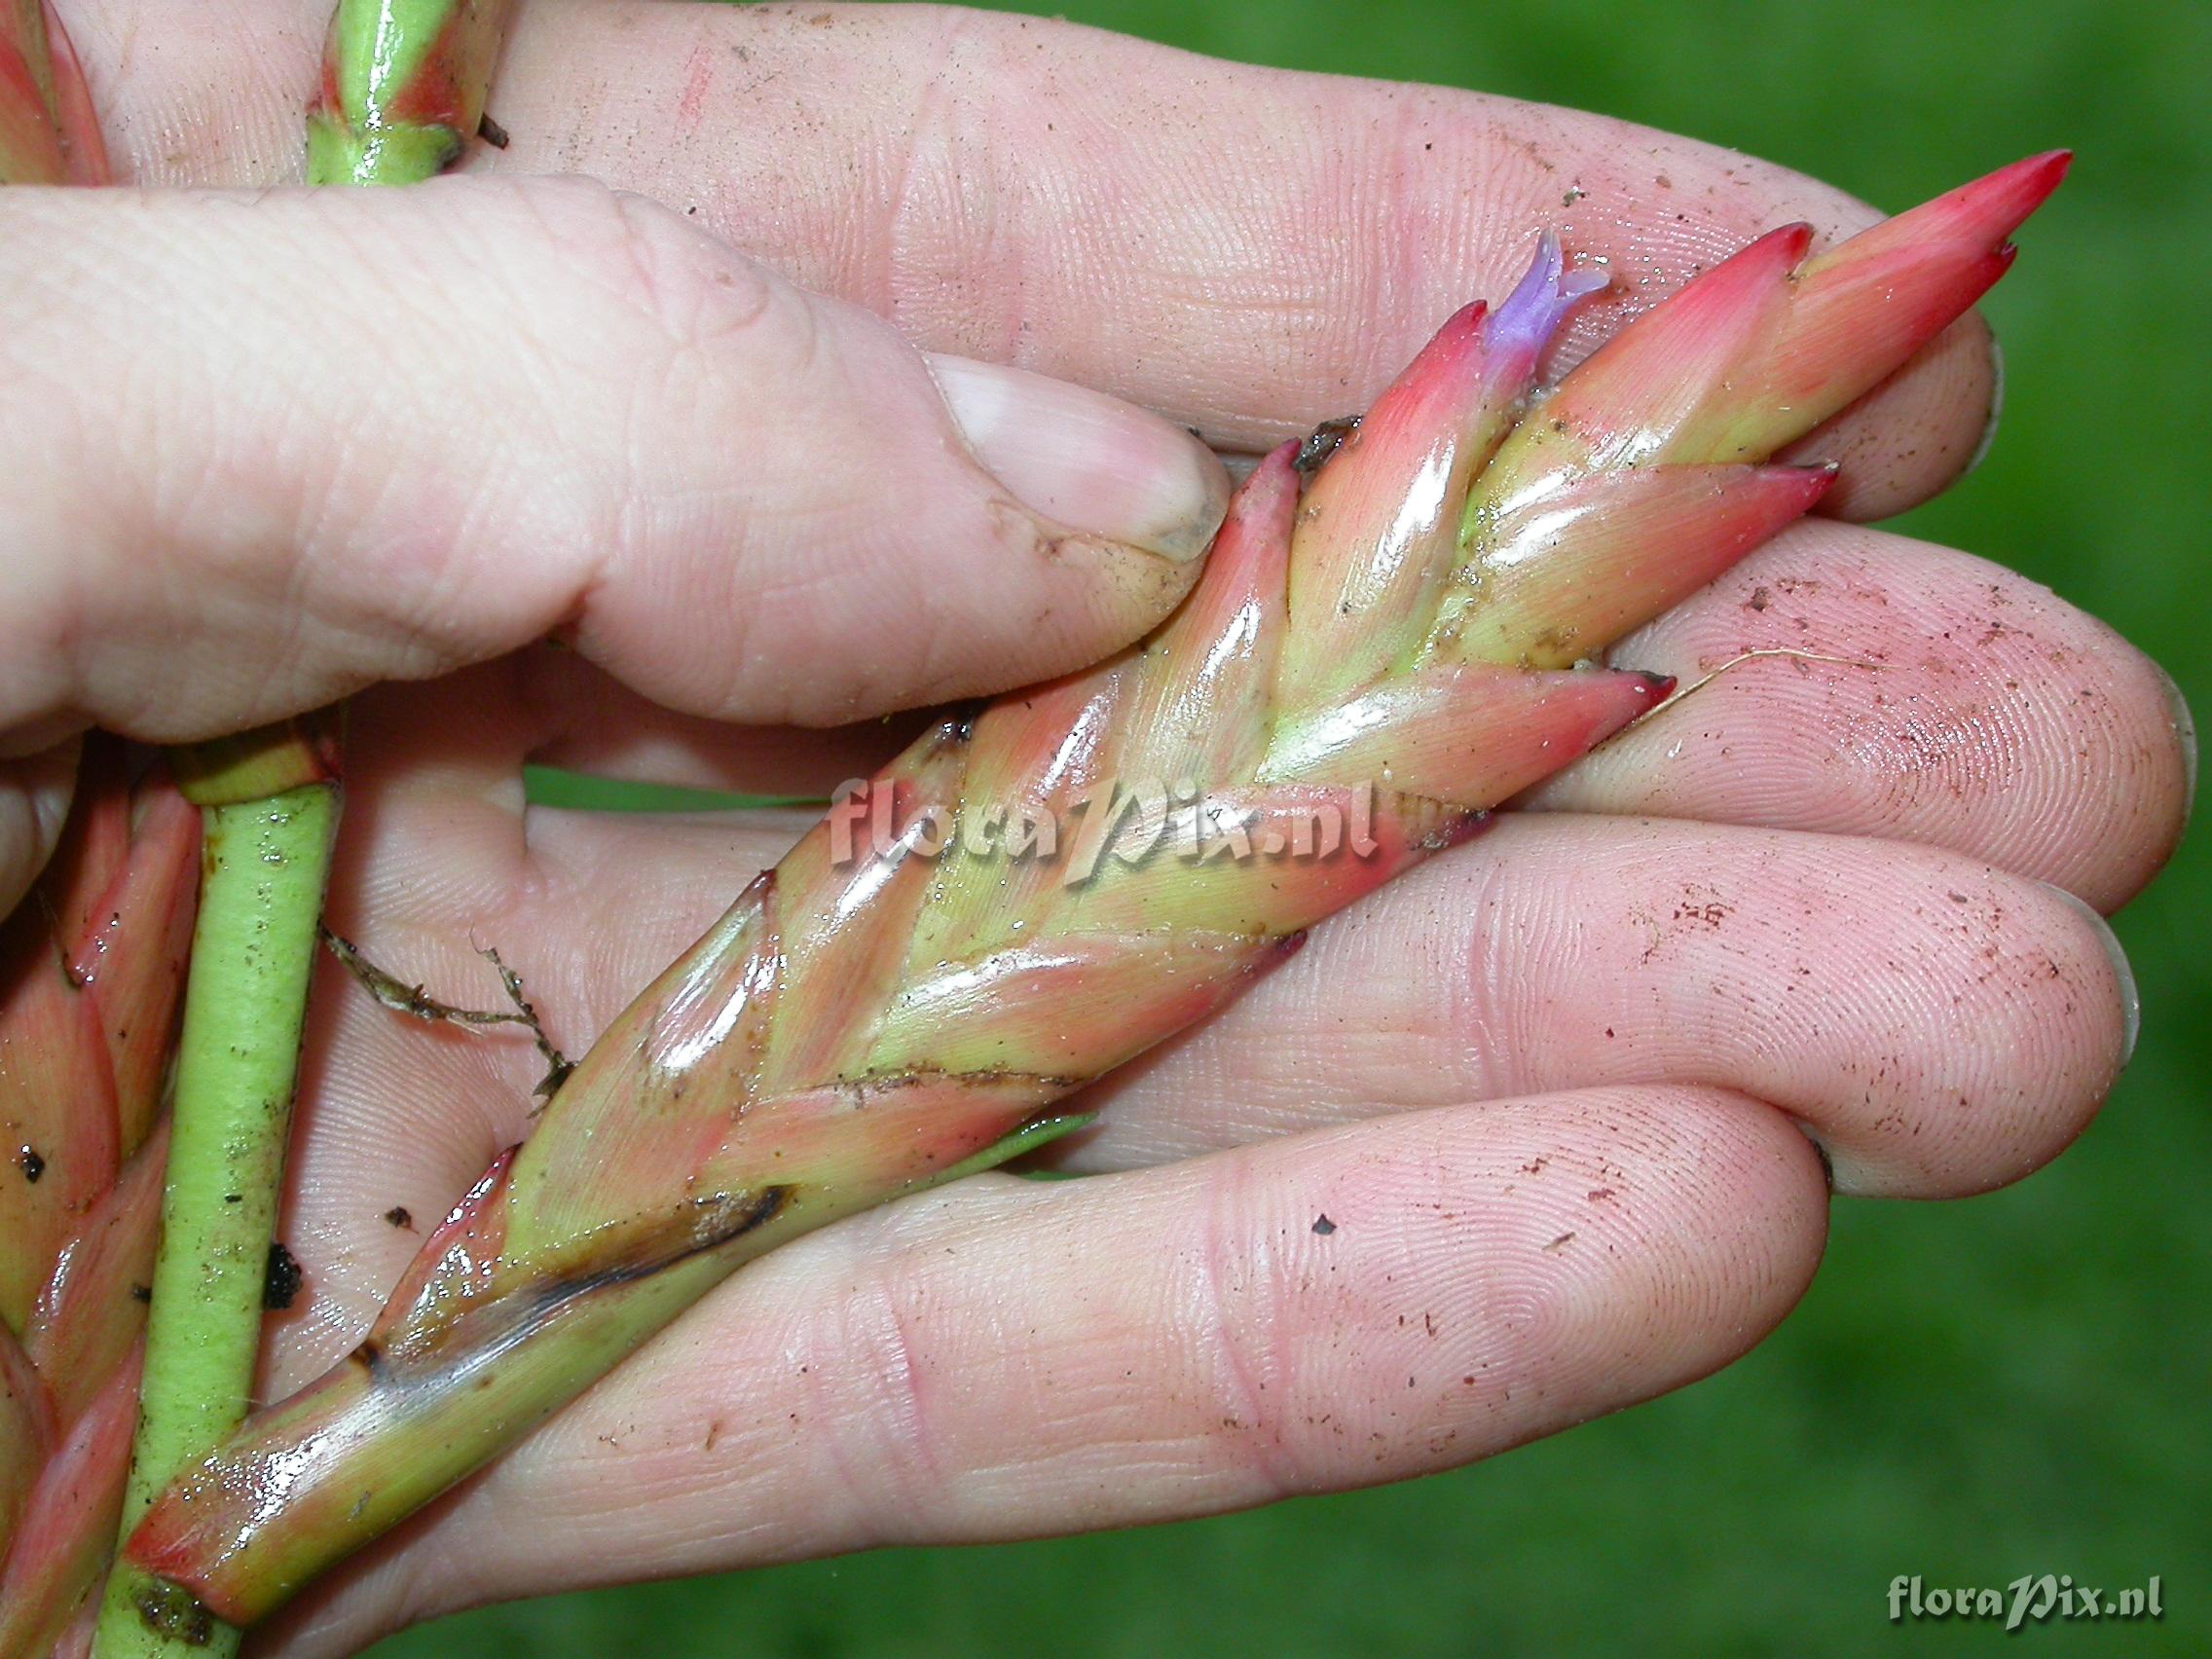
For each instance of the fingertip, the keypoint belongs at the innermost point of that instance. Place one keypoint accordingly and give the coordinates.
(2125, 1001)
(1916, 434)
(1740, 1223)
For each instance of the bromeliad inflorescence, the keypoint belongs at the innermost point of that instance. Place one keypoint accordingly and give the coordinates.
(1404, 645)
(1366, 667)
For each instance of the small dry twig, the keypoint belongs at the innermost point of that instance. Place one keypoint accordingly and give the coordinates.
(412, 1000)
(1742, 657)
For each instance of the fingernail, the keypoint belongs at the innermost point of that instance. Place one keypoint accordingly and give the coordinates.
(1087, 460)
(1988, 439)
(2185, 733)
(2131, 1003)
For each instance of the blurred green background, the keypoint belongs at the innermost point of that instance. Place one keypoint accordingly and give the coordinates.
(1970, 1392)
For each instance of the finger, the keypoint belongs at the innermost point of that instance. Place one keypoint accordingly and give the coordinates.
(1940, 1027)
(35, 792)
(468, 735)
(1250, 249)
(292, 476)
(1007, 1360)
(1925, 694)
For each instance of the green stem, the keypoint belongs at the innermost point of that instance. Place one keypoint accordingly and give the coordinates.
(272, 813)
(252, 952)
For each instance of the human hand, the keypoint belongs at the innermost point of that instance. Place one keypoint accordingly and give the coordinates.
(1565, 1186)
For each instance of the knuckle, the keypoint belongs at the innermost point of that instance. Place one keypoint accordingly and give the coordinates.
(653, 263)
(881, 1439)
(1249, 1376)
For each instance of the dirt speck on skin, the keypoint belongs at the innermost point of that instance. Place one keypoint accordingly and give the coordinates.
(30, 1163)
(400, 1216)
(1560, 1242)
(1323, 1226)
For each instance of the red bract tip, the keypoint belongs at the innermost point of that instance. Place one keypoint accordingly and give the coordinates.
(48, 134)
(1863, 309)
(1640, 397)
(84, 150)
(1473, 735)
(1375, 539)
(1978, 215)
(1196, 702)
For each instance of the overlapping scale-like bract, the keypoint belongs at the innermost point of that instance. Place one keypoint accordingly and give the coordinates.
(1362, 671)
(91, 967)
(48, 134)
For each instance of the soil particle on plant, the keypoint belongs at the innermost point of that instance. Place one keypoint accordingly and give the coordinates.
(280, 1284)
(1321, 443)
(30, 1163)
(173, 1612)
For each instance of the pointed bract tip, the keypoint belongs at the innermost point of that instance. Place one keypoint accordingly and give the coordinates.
(2039, 174)
(1770, 257)
(1979, 213)
(1793, 240)
(1819, 477)
(1997, 204)
(1269, 494)
(1467, 317)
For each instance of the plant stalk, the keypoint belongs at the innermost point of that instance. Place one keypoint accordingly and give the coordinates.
(265, 862)
(403, 93)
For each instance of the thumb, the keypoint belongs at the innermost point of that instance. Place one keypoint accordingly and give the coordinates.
(259, 450)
